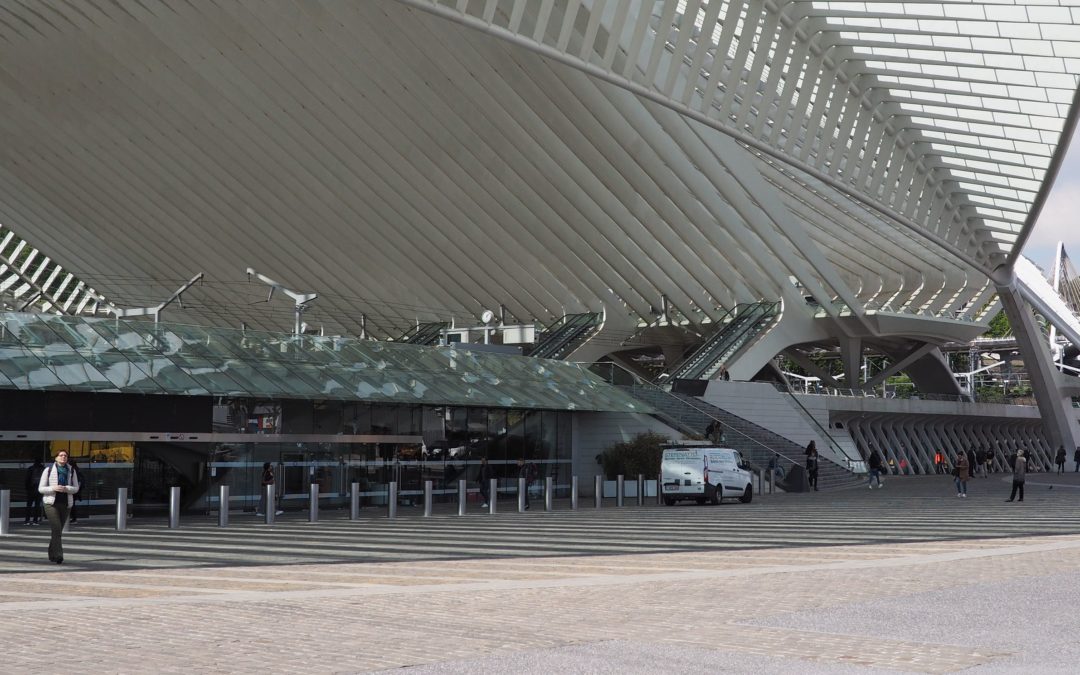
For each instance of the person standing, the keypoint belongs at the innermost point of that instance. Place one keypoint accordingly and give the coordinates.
(267, 479)
(875, 470)
(1076, 458)
(1019, 475)
(1060, 460)
(526, 470)
(939, 462)
(980, 463)
(963, 472)
(58, 486)
(812, 465)
(484, 478)
(33, 497)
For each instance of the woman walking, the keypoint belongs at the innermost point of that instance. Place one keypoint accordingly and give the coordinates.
(58, 486)
(963, 472)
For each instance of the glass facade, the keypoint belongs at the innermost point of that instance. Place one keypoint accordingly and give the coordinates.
(449, 443)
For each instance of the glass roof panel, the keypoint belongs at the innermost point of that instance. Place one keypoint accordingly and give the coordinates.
(77, 353)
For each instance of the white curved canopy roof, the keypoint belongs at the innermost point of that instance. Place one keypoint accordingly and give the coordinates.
(568, 156)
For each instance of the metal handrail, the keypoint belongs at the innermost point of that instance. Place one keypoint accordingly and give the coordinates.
(642, 383)
(829, 439)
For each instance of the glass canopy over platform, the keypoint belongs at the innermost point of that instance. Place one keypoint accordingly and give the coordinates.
(82, 354)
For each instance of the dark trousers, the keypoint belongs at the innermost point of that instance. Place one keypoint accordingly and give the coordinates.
(1017, 485)
(813, 478)
(33, 506)
(485, 488)
(57, 514)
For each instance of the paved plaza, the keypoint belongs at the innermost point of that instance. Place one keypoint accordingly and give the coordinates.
(908, 578)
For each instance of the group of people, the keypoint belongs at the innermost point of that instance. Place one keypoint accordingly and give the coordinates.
(1059, 459)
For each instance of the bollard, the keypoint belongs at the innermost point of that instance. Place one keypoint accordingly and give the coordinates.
(760, 480)
(174, 507)
(573, 493)
(521, 495)
(427, 499)
(619, 483)
(313, 503)
(462, 496)
(641, 489)
(391, 499)
(354, 501)
(121, 509)
(223, 506)
(549, 494)
(271, 506)
(598, 491)
(5, 513)
(493, 495)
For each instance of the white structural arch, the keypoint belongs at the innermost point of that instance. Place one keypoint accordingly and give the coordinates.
(869, 164)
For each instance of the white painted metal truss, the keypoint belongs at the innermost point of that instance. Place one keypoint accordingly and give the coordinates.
(434, 158)
(30, 281)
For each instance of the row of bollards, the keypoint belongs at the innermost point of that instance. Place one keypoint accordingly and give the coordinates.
(269, 505)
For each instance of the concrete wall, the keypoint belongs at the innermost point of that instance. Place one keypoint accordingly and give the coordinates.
(596, 432)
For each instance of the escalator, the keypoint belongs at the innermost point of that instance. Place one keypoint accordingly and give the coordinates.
(737, 330)
(564, 336)
(424, 333)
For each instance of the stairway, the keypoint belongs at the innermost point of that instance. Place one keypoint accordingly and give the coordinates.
(692, 416)
(565, 335)
(737, 330)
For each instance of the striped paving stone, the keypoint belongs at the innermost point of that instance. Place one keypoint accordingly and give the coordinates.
(917, 510)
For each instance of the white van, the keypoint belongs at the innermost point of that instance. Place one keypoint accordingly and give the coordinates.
(704, 472)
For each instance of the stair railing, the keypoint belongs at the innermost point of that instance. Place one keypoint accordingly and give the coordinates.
(619, 376)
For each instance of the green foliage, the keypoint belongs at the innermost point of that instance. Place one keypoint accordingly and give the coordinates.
(999, 326)
(989, 395)
(641, 454)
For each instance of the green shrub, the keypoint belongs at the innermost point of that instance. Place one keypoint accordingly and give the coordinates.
(641, 454)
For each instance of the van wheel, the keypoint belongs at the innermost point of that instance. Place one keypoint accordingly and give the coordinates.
(717, 495)
(747, 495)
(669, 501)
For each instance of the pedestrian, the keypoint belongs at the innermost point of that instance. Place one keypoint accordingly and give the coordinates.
(58, 480)
(484, 478)
(875, 470)
(526, 470)
(1060, 460)
(812, 465)
(980, 463)
(33, 497)
(939, 462)
(267, 479)
(810, 447)
(962, 473)
(971, 461)
(1076, 458)
(1019, 474)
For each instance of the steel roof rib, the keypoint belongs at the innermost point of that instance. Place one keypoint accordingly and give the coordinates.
(422, 160)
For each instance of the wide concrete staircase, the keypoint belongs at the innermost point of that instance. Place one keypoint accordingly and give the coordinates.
(692, 416)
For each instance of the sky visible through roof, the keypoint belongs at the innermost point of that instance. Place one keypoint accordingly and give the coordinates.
(1060, 217)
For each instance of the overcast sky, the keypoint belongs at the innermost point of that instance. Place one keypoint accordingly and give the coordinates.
(1060, 217)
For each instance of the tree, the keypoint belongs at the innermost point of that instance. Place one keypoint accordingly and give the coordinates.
(999, 326)
(641, 454)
